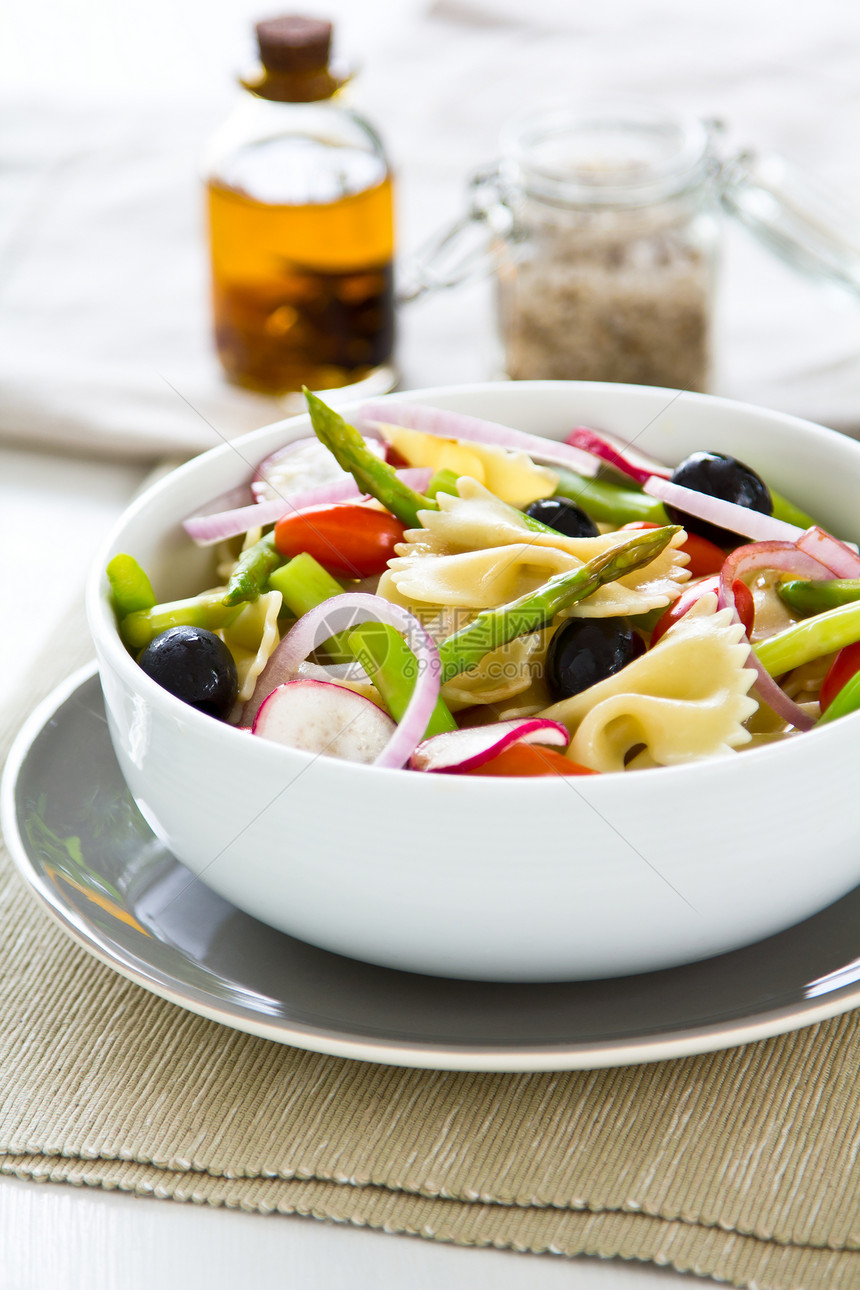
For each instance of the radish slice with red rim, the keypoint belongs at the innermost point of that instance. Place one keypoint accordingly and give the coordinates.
(340, 613)
(614, 452)
(205, 530)
(325, 718)
(789, 559)
(456, 425)
(457, 751)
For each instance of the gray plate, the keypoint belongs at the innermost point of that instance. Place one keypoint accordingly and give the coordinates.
(82, 846)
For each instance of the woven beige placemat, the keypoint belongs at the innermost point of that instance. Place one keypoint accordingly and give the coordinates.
(741, 1165)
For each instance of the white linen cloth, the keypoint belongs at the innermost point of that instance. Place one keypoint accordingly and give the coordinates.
(104, 331)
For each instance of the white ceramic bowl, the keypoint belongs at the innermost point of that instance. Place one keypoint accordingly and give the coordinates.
(532, 880)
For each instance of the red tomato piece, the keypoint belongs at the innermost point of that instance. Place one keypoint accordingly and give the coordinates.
(688, 597)
(354, 541)
(705, 557)
(530, 759)
(840, 672)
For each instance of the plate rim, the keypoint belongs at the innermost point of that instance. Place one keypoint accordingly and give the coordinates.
(585, 1055)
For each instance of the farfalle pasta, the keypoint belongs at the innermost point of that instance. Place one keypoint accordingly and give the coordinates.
(483, 555)
(481, 608)
(686, 698)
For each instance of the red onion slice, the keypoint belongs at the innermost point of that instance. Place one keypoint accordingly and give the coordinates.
(839, 559)
(726, 515)
(770, 555)
(205, 530)
(456, 425)
(457, 751)
(614, 452)
(338, 614)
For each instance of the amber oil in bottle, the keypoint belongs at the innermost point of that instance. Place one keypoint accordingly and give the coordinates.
(301, 227)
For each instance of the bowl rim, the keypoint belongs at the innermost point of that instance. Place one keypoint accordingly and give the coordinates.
(106, 638)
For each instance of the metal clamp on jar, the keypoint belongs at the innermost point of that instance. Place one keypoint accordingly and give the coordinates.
(601, 223)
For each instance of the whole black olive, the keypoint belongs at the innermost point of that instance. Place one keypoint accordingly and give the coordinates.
(196, 666)
(564, 516)
(719, 475)
(586, 650)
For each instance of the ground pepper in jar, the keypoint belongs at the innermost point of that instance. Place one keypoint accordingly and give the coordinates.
(301, 226)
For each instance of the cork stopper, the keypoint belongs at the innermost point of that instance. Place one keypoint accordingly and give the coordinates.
(294, 44)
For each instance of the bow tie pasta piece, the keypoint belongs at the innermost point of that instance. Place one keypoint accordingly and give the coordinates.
(476, 553)
(684, 699)
(512, 476)
(251, 639)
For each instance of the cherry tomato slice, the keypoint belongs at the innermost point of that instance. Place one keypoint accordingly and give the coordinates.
(743, 601)
(354, 541)
(840, 672)
(529, 759)
(705, 557)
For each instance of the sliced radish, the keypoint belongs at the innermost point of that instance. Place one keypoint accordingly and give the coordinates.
(336, 615)
(457, 751)
(208, 529)
(323, 717)
(455, 425)
(303, 464)
(618, 454)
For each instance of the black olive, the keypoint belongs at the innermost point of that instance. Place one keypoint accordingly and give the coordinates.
(196, 666)
(564, 516)
(718, 475)
(586, 650)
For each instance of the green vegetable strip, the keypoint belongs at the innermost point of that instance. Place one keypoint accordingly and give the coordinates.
(372, 475)
(814, 597)
(393, 668)
(130, 588)
(495, 627)
(444, 481)
(304, 584)
(252, 569)
(785, 510)
(609, 503)
(847, 700)
(810, 639)
(209, 611)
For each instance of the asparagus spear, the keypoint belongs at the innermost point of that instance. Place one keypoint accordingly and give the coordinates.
(495, 627)
(372, 475)
(393, 668)
(252, 569)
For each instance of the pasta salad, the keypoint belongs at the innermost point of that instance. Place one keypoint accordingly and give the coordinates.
(430, 591)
